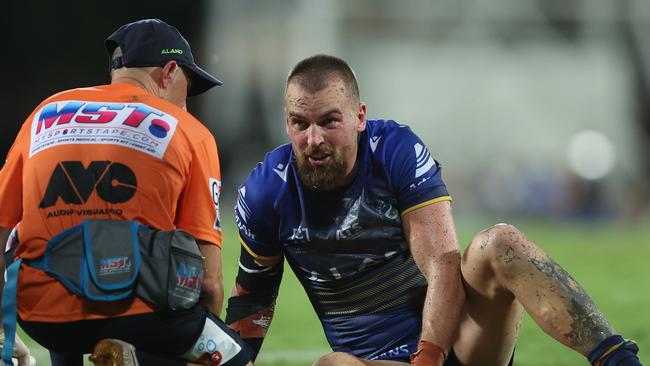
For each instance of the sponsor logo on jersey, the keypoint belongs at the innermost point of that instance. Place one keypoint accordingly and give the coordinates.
(86, 212)
(133, 125)
(242, 208)
(348, 231)
(385, 208)
(392, 353)
(350, 225)
(314, 276)
(243, 213)
(336, 273)
(419, 183)
(263, 321)
(300, 234)
(74, 183)
(373, 142)
(215, 191)
(424, 161)
(243, 228)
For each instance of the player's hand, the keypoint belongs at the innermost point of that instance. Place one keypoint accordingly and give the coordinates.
(428, 354)
(21, 352)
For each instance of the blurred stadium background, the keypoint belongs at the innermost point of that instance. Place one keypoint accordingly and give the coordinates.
(539, 111)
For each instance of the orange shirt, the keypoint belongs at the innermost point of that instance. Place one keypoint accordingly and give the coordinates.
(107, 152)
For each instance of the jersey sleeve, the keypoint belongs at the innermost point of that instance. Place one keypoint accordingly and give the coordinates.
(415, 175)
(11, 185)
(198, 207)
(255, 215)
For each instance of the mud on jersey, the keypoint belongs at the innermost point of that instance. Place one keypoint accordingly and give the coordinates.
(346, 246)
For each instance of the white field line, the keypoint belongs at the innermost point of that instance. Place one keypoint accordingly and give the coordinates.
(308, 356)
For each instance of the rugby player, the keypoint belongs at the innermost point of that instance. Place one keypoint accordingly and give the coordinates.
(360, 212)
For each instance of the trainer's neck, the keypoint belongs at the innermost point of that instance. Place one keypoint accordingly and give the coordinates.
(137, 78)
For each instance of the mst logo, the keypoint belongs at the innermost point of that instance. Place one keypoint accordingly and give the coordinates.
(133, 125)
(74, 183)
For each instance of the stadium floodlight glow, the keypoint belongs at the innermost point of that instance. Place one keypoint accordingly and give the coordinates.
(591, 154)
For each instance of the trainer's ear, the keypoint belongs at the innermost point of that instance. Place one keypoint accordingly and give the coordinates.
(169, 72)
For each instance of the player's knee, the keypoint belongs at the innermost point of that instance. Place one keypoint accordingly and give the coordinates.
(499, 247)
(337, 359)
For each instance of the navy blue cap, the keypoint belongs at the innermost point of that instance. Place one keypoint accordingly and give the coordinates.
(152, 42)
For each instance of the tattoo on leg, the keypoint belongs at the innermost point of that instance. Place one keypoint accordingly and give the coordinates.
(589, 326)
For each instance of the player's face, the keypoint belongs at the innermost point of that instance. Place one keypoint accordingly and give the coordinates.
(323, 128)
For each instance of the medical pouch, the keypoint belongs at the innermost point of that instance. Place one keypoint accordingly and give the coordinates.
(99, 259)
(171, 276)
(63, 258)
(112, 258)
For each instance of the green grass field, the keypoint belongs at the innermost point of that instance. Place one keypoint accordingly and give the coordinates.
(610, 261)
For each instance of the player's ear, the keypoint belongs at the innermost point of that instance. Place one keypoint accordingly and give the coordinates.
(286, 115)
(361, 116)
(286, 124)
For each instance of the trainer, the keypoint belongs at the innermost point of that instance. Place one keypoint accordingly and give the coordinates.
(125, 151)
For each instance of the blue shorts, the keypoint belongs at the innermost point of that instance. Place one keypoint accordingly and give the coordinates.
(391, 335)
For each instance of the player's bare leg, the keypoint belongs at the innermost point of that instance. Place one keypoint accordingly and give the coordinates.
(344, 359)
(504, 273)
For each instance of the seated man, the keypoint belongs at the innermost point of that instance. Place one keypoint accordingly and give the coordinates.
(360, 212)
(128, 151)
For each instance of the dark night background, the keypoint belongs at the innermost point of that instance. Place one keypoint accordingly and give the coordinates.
(50, 46)
(54, 46)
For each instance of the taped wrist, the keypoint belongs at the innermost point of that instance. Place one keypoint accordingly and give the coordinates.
(250, 312)
(428, 354)
(615, 351)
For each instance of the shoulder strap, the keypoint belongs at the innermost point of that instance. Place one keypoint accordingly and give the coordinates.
(9, 316)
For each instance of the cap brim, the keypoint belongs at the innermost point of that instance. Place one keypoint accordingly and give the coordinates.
(201, 80)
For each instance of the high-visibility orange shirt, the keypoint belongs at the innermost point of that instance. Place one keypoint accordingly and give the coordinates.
(106, 152)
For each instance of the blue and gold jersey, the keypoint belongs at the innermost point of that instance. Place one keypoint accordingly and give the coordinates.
(347, 246)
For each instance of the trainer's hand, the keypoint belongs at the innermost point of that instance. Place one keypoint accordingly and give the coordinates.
(21, 352)
(428, 354)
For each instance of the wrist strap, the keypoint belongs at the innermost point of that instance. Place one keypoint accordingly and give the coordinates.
(428, 354)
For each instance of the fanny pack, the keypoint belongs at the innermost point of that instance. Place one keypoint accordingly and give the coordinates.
(109, 260)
